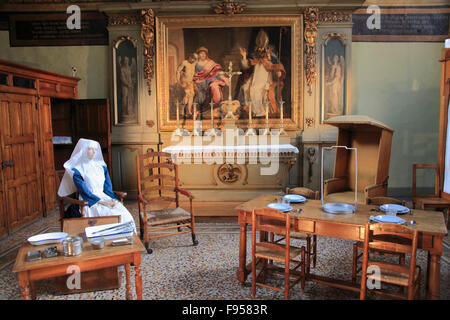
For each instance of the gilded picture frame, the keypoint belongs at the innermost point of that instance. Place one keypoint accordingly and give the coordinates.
(183, 41)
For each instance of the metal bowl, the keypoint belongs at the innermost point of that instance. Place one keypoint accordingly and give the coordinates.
(338, 208)
(98, 244)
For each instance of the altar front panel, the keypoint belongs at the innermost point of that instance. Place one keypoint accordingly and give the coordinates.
(232, 176)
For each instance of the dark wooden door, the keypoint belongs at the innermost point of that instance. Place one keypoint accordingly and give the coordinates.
(49, 186)
(93, 122)
(21, 166)
(3, 218)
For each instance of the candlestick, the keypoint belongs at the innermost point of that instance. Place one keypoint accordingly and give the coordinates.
(179, 131)
(212, 131)
(250, 130)
(178, 114)
(266, 129)
(282, 132)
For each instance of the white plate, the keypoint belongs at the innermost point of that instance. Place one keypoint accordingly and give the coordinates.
(46, 238)
(295, 198)
(396, 207)
(389, 219)
(280, 206)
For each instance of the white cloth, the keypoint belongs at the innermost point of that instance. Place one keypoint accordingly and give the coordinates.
(281, 148)
(93, 174)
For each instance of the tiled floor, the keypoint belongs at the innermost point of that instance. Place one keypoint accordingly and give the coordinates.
(178, 270)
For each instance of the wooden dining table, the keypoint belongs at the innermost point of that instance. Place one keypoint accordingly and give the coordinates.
(313, 220)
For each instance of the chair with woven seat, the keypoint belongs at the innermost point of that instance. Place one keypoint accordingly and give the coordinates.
(395, 238)
(157, 177)
(274, 221)
(311, 240)
(359, 245)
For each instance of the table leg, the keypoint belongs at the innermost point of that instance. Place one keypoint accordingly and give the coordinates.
(434, 277)
(138, 277)
(24, 284)
(128, 282)
(242, 274)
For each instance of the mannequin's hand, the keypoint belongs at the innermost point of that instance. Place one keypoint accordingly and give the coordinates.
(110, 204)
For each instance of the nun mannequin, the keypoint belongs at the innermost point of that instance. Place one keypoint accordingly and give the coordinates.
(87, 174)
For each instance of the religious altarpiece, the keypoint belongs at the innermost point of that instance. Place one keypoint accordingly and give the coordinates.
(298, 95)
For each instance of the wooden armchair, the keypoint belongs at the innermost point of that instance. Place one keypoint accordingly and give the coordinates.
(274, 221)
(62, 201)
(157, 178)
(427, 201)
(396, 238)
(358, 246)
(373, 140)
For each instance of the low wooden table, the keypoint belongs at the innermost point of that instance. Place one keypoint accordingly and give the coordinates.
(313, 220)
(90, 259)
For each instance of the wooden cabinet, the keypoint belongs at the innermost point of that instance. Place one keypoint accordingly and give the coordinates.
(35, 106)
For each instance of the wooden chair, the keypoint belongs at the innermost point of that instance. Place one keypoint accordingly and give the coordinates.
(396, 238)
(373, 140)
(311, 240)
(63, 201)
(359, 245)
(439, 200)
(158, 188)
(271, 220)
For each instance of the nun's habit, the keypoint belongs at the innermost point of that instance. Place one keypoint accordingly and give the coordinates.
(90, 178)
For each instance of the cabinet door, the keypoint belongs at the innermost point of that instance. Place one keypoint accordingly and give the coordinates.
(49, 187)
(3, 218)
(93, 122)
(19, 149)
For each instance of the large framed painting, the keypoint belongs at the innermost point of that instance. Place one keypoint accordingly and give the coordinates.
(125, 81)
(334, 95)
(253, 63)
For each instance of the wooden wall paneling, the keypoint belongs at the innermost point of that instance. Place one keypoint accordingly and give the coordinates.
(22, 182)
(93, 122)
(49, 187)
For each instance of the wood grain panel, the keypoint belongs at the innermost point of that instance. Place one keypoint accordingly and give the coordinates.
(20, 144)
(47, 155)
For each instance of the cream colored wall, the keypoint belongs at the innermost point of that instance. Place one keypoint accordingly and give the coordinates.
(398, 84)
(91, 63)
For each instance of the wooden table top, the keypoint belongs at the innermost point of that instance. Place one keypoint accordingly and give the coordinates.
(431, 222)
(88, 253)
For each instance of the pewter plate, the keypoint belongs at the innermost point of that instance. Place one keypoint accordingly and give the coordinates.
(338, 208)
